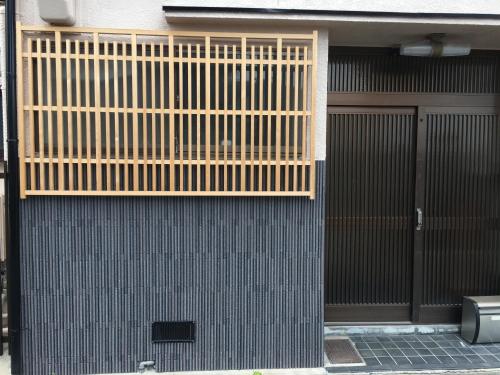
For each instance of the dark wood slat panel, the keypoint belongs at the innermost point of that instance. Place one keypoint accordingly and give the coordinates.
(369, 212)
(384, 70)
(462, 206)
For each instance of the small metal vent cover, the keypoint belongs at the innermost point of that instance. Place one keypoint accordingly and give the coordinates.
(173, 332)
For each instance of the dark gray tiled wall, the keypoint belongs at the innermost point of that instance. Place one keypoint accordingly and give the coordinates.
(96, 272)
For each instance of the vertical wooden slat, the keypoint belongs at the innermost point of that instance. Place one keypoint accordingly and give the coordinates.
(50, 130)
(88, 121)
(162, 118)
(261, 108)
(126, 185)
(252, 118)
(41, 132)
(181, 117)
(59, 98)
(97, 101)
(20, 111)
(117, 122)
(107, 115)
(217, 106)
(234, 130)
(225, 116)
(207, 113)
(305, 91)
(279, 62)
(135, 115)
(243, 131)
(171, 106)
(287, 121)
(152, 65)
(190, 118)
(78, 115)
(31, 115)
(312, 158)
(198, 117)
(144, 119)
(69, 101)
(296, 117)
(269, 117)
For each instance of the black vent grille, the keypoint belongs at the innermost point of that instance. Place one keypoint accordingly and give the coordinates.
(173, 332)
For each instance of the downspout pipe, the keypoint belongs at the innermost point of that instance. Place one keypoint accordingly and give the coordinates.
(12, 192)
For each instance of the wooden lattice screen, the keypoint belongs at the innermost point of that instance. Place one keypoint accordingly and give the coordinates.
(127, 112)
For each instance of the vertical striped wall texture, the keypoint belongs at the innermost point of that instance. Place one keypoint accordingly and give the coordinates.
(369, 207)
(383, 70)
(96, 272)
(462, 207)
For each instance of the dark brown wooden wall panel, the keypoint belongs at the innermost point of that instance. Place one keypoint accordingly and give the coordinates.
(369, 209)
(384, 70)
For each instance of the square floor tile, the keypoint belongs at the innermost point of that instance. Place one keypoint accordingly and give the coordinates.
(494, 349)
(361, 345)
(384, 338)
(417, 360)
(474, 358)
(402, 361)
(423, 352)
(386, 361)
(431, 344)
(460, 359)
(417, 345)
(390, 345)
(380, 352)
(403, 345)
(489, 358)
(395, 353)
(366, 353)
(452, 351)
(480, 350)
(431, 360)
(437, 351)
(446, 360)
(465, 351)
(411, 338)
(425, 338)
(372, 361)
(409, 352)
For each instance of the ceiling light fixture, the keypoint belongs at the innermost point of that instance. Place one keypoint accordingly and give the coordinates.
(434, 46)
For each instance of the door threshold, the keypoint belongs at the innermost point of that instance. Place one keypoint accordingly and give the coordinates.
(389, 329)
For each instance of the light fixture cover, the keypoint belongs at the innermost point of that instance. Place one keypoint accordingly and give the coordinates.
(428, 48)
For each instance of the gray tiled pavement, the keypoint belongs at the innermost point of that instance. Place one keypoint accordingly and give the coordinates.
(422, 352)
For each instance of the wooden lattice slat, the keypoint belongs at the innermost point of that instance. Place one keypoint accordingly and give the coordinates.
(131, 112)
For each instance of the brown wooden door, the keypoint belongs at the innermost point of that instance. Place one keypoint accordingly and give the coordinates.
(458, 192)
(369, 213)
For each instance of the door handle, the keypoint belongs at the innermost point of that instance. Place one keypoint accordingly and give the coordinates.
(420, 219)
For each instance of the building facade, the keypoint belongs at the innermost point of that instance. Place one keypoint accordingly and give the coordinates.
(244, 175)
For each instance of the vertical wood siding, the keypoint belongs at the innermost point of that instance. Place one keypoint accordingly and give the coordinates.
(462, 206)
(380, 70)
(369, 209)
